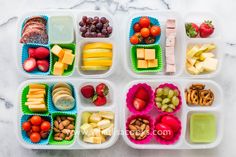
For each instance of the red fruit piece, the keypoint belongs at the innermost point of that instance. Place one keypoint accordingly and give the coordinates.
(41, 53)
(164, 131)
(134, 40)
(142, 93)
(26, 126)
(35, 137)
(31, 52)
(36, 128)
(102, 89)
(149, 40)
(44, 134)
(99, 100)
(144, 21)
(43, 65)
(36, 120)
(87, 91)
(139, 104)
(45, 126)
(155, 30)
(171, 122)
(206, 29)
(29, 64)
(137, 27)
(192, 30)
(140, 37)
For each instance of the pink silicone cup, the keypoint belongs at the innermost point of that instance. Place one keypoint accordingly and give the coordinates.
(149, 137)
(176, 135)
(173, 87)
(130, 97)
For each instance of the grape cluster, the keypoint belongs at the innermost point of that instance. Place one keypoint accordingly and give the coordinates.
(95, 27)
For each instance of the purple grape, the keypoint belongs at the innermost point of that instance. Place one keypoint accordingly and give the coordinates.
(109, 29)
(105, 25)
(95, 20)
(84, 18)
(83, 29)
(99, 25)
(81, 23)
(103, 20)
(104, 31)
(92, 28)
(99, 35)
(93, 34)
(87, 34)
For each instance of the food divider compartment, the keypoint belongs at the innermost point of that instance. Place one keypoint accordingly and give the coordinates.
(183, 114)
(82, 106)
(77, 40)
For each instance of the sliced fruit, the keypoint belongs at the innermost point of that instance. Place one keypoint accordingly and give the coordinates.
(95, 68)
(139, 104)
(29, 64)
(98, 45)
(97, 53)
(87, 91)
(142, 93)
(99, 100)
(102, 89)
(97, 62)
(31, 52)
(85, 117)
(43, 65)
(41, 53)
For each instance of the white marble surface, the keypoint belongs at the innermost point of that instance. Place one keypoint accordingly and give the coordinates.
(9, 79)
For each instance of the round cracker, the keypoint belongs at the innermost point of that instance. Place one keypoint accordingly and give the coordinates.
(59, 93)
(61, 84)
(64, 102)
(61, 89)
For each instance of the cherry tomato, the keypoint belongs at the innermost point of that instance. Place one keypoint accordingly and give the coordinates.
(35, 128)
(134, 40)
(36, 120)
(145, 32)
(144, 22)
(155, 30)
(26, 126)
(29, 132)
(137, 27)
(44, 134)
(140, 38)
(164, 131)
(149, 40)
(35, 137)
(45, 126)
(172, 122)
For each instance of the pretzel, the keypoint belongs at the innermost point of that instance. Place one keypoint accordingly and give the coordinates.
(194, 97)
(197, 86)
(206, 97)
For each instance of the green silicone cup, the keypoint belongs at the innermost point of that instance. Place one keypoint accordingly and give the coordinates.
(54, 59)
(63, 142)
(25, 108)
(134, 60)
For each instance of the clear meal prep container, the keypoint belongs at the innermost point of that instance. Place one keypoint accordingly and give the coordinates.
(79, 41)
(82, 106)
(182, 40)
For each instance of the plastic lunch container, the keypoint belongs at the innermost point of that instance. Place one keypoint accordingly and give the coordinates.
(183, 114)
(78, 40)
(182, 41)
(82, 106)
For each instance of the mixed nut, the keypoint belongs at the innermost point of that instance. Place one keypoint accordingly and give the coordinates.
(198, 95)
(139, 128)
(64, 128)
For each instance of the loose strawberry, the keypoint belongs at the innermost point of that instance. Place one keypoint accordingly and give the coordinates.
(87, 91)
(43, 65)
(31, 52)
(139, 104)
(41, 53)
(102, 89)
(29, 64)
(192, 30)
(142, 93)
(206, 29)
(99, 100)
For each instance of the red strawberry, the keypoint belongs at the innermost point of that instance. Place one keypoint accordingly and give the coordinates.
(87, 91)
(102, 89)
(43, 65)
(142, 93)
(139, 104)
(99, 100)
(31, 52)
(29, 64)
(206, 29)
(191, 30)
(41, 53)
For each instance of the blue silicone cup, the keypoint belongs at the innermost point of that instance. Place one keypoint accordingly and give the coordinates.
(153, 21)
(25, 137)
(25, 56)
(46, 18)
(53, 109)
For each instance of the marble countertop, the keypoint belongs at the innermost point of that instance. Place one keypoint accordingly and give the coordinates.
(9, 79)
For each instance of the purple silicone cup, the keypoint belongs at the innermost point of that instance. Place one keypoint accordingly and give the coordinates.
(149, 137)
(130, 98)
(176, 135)
(173, 87)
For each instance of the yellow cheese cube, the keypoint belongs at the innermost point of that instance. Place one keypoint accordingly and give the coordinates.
(150, 54)
(68, 58)
(152, 63)
(140, 53)
(65, 65)
(67, 50)
(58, 68)
(38, 108)
(58, 51)
(142, 64)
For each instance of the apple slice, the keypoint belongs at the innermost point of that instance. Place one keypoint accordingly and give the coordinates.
(94, 68)
(29, 64)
